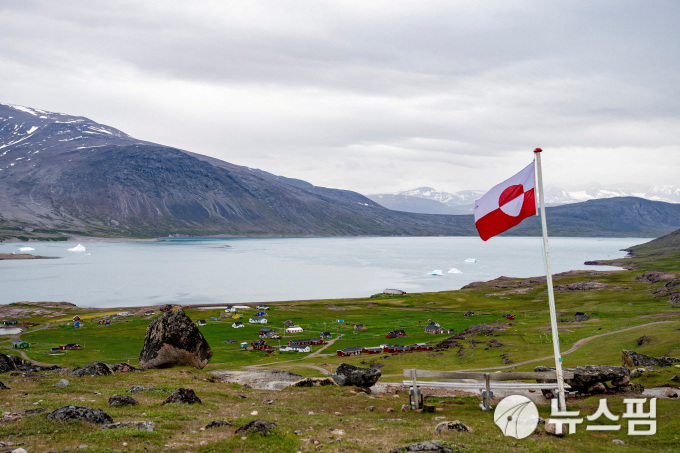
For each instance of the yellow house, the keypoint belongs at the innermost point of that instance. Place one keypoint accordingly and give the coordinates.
(237, 316)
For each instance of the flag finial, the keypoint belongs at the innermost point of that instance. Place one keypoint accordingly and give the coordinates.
(538, 150)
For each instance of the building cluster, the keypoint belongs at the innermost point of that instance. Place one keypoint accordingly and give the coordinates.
(385, 348)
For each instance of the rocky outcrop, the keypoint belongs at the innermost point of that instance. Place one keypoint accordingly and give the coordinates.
(93, 369)
(580, 286)
(182, 396)
(479, 329)
(346, 374)
(174, 340)
(587, 378)
(654, 277)
(6, 364)
(313, 382)
(217, 424)
(80, 413)
(633, 359)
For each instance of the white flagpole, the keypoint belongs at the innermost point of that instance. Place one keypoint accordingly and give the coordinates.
(551, 295)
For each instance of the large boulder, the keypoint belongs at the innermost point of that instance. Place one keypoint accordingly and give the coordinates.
(7, 364)
(585, 377)
(347, 374)
(633, 359)
(93, 369)
(80, 413)
(174, 340)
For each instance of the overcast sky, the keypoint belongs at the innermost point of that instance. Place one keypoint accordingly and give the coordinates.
(372, 96)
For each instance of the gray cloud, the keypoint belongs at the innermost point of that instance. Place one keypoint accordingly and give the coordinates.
(370, 96)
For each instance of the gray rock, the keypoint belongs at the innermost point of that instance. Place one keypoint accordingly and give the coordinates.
(455, 425)
(141, 388)
(174, 340)
(217, 424)
(123, 367)
(597, 388)
(183, 396)
(7, 364)
(79, 413)
(259, 426)
(122, 400)
(3, 386)
(551, 428)
(142, 426)
(429, 446)
(346, 374)
(670, 393)
(62, 383)
(633, 359)
(93, 369)
(585, 377)
(313, 382)
(618, 442)
(676, 378)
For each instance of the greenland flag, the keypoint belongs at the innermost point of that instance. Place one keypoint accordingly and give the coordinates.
(506, 205)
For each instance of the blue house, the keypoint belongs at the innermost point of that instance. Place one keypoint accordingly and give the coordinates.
(77, 324)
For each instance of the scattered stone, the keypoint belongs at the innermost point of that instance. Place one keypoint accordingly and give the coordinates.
(337, 414)
(297, 432)
(347, 374)
(313, 382)
(183, 396)
(93, 369)
(633, 359)
(670, 393)
(63, 383)
(676, 378)
(79, 413)
(493, 343)
(217, 424)
(19, 450)
(370, 408)
(621, 382)
(142, 426)
(455, 425)
(643, 340)
(259, 426)
(655, 277)
(551, 428)
(631, 388)
(618, 442)
(580, 286)
(405, 407)
(174, 340)
(123, 367)
(122, 400)
(585, 377)
(428, 408)
(376, 365)
(390, 409)
(141, 388)
(4, 387)
(434, 446)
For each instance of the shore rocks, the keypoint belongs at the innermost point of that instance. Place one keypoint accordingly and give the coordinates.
(633, 359)
(174, 340)
(80, 413)
(346, 374)
(93, 369)
(62, 383)
(183, 396)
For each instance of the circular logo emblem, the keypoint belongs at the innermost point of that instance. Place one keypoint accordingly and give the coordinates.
(516, 416)
(512, 200)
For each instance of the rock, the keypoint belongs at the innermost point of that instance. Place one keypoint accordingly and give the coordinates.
(259, 426)
(93, 369)
(3, 386)
(141, 388)
(618, 442)
(455, 425)
(551, 428)
(643, 340)
(633, 359)
(123, 367)
(580, 286)
(597, 388)
(376, 365)
(122, 400)
(370, 408)
(79, 413)
(655, 277)
(174, 340)
(586, 376)
(479, 329)
(63, 383)
(405, 407)
(142, 426)
(346, 374)
(19, 450)
(631, 388)
(621, 382)
(217, 424)
(184, 396)
(428, 408)
(670, 393)
(435, 447)
(7, 364)
(676, 378)
(313, 382)
(261, 380)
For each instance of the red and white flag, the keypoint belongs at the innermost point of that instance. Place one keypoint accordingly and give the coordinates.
(506, 205)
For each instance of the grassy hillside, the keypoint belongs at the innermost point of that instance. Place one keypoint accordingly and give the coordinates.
(622, 307)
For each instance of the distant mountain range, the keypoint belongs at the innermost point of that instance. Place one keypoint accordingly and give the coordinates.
(68, 175)
(427, 200)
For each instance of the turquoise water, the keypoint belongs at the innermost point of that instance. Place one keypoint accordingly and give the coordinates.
(198, 271)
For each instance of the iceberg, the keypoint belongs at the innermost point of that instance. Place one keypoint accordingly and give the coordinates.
(78, 248)
(436, 272)
(453, 270)
(471, 260)
(26, 249)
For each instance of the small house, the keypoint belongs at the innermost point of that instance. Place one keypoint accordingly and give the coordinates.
(236, 317)
(124, 313)
(201, 322)
(360, 327)
(509, 316)
(268, 333)
(262, 307)
(76, 318)
(288, 323)
(53, 350)
(106, 321)
(260, 345)
(72, 346)
(77, 324)
(371, 350)
(425, 347)
(20, 344)
(295, 349)
(469, 314)
(434, 328)
(581, 316)
(237, 325)
(261, 313)
(149, 312)
(167, 307)
(230, 309)
(354, 350)
(326, 335)
(297, 329)
(258, 320)
(10, 322)
(396, 334)
(243, 345)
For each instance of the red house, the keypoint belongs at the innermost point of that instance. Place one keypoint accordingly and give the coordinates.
(376, 350)
(355, 350)
(260, 345)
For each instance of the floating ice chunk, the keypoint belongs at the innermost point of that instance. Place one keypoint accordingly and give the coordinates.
(471, 260)
(78, 248)
(436, 272)
(453, 270)
(26, 249)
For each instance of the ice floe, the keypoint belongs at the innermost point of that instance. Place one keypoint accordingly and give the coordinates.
(26, 249)
(436, 272)
(453, 270)
(471, 260)
(78, 248)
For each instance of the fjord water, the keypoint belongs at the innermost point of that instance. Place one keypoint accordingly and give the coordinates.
(224, 271)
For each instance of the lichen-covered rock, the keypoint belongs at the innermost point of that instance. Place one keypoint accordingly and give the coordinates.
(122, 400)
(455, 425)
(183, 396)
(260, 426)
(123, 367)
(93, 369)
(633, 359)
(7, 364)
(346, 374)
(80, 413)
(174, 340)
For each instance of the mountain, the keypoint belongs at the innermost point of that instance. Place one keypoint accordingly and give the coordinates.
(420, 200)
(62, 173)
(68, 175)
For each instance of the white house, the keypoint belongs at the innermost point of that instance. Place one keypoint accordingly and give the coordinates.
(236, 325)
(124, 313)
(230, 309)
(296, 329)
(258, 320)
(295, 349)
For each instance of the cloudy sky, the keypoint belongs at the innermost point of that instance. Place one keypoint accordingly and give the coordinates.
(372, 96)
